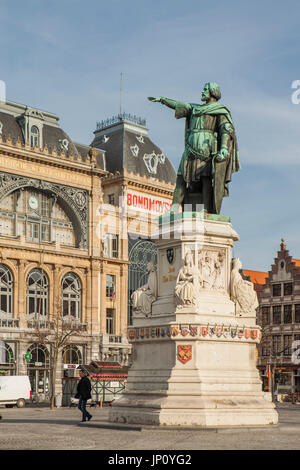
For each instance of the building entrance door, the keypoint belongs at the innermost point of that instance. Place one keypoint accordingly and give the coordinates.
(39, 379)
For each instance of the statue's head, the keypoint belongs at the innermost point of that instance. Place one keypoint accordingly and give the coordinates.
(188, 258)
(236, 263)
(211, 92)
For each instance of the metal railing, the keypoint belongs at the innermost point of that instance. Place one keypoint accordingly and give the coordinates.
(120, 118)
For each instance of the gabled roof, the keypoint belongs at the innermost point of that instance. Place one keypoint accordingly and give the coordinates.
(256, 277)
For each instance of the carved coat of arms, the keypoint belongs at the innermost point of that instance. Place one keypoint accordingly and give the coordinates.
(184, 353)
(253, 334)
(170, 255)
(185, 330)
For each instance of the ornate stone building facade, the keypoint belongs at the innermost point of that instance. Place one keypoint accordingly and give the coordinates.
(64, 240)
(138, 188)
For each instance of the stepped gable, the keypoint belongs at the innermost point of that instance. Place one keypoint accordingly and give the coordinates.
(127, 145)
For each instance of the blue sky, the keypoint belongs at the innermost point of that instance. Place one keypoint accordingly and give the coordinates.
(66, 57)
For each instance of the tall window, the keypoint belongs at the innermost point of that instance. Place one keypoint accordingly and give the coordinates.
(287, 313)
(71, 295)
(35, 136)
(277, 314)
(276, 290)
(297, 313)
(277, 347)
(6, 291)
(287, 345)
(265, 312)
(110, 286)
(111, 245)
(110, 321)
(111, 199)
(6, 353)
(37, 293)
(38, 353)
(288, 288)
(71, 355)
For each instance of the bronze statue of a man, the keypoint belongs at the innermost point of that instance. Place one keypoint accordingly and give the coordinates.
(210, 155)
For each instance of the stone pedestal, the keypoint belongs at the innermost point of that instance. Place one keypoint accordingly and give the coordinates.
(194, 360)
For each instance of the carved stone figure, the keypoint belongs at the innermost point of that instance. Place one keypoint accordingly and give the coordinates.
(186, 283)
(218, 271)
(211, 270)
(144, 296)
(210, 156)
(242, 291)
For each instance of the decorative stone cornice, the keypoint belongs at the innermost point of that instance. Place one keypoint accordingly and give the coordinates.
(53, 156)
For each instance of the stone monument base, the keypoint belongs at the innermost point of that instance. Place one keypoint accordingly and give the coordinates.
(186, 380)
(194, 364)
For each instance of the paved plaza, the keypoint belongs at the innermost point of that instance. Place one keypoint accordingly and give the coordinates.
(39, 428)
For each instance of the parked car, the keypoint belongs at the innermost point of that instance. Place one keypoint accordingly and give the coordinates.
(15, 390)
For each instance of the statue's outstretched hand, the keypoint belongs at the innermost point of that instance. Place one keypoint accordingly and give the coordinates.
(153, 99)
(222, 155)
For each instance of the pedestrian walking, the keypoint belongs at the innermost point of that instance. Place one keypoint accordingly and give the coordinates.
(84, 394)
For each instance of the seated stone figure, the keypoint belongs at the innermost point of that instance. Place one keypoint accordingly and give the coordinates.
(144, 296)
(242, 291)
(185, 290)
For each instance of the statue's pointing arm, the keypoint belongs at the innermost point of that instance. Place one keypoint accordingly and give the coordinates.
(166, 101)
(181, 109)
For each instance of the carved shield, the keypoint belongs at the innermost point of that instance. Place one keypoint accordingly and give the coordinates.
(175, 330)
(240, 332)
(185, 330)
(184, 353)
(247, 333)
(194, 330)
(131, 334)
(170, 255)
(219, 331)
(253, 334)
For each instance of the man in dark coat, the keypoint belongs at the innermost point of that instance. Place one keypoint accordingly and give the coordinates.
(84, 394)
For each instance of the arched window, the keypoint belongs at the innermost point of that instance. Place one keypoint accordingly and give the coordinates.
(72, 355)
(71, 296)
(35, 136)
(6, 292)
(38, 354)
(6, 354)
(37, 293)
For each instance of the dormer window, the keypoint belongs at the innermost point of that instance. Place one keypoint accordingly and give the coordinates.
(35, 137)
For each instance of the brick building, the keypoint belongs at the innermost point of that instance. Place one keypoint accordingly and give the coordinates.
(279, 317)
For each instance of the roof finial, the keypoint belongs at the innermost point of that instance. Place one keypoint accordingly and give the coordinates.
(282, 244)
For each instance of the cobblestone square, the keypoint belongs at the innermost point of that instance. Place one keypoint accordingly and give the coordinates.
(39, 428)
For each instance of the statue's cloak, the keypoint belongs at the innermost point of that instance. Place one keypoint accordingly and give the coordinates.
(221, 171)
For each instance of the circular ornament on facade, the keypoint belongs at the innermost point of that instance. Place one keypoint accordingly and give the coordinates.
(80, 199)
(33, 202)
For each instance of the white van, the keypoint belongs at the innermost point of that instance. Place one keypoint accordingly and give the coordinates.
(14, 390)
